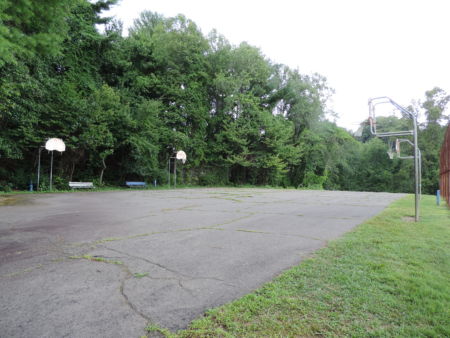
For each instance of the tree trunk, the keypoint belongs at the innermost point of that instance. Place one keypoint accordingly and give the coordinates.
(60, 166)
(101, 175)
(71, 172)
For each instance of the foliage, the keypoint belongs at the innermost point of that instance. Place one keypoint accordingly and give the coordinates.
(123, 105)
(29, 27)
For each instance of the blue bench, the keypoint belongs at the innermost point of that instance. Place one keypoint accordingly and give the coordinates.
(136, 184)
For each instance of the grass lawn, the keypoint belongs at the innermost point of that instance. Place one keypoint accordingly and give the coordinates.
(390, 277)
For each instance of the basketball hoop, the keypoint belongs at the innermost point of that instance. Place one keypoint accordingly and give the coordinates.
(359, 130)
(391, 151)
(52, 144)
(55, 144)
(181, 155)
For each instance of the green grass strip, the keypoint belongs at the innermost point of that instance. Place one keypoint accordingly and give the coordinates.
(390, 277)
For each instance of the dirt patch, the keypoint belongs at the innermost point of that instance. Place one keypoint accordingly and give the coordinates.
(409, 218)
(8, 200)
(21, 199)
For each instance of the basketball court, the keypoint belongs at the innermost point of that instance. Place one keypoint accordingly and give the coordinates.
(107, 263)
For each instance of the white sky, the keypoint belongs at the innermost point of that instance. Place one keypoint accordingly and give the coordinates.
(365, 49)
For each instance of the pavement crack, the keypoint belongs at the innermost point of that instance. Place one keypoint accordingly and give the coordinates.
(232, 221)
(128, 301)
(128, 276)
(270, 233)
(217, 279)
(146, 260)
(166, 268)
(187, 290)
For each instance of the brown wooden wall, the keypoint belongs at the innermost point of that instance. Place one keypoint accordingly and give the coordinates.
(445, 168)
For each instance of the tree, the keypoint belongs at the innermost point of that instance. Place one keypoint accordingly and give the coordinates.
(29, 27)
(431, 135)
(145, 24)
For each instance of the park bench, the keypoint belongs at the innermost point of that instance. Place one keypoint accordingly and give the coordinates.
(81, 185)
(136, 184)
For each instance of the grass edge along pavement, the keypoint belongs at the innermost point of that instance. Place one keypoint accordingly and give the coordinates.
(389, 277)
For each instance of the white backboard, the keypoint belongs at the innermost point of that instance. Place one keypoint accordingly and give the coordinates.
(55, 144)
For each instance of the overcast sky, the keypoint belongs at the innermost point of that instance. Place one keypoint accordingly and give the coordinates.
(365, 49)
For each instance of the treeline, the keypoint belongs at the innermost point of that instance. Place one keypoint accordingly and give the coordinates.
(123, 105)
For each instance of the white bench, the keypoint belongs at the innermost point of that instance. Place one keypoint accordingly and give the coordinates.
(81, 185)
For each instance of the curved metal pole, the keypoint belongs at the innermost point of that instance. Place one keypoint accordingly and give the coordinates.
(373, 113)
(373, 128)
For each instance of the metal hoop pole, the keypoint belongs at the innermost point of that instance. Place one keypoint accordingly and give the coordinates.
(407, 157)
(51, 172)
(39, 169)
(420, 174)
(416, 171)
(169, 172)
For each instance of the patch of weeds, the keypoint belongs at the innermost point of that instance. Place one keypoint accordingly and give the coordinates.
(58, 259)
(258, 232)
(138, 236)
(233, 199)
(152, 328)
(27, 270)
(98, 259)
(13, 274)
(107, 240)
(140, 275)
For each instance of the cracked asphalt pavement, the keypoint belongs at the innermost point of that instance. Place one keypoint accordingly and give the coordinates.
(105, 264)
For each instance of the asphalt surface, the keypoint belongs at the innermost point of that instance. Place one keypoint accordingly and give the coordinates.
(167, 255)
